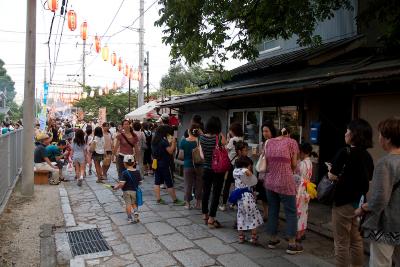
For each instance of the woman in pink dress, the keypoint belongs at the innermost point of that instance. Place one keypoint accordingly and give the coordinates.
(281, 156)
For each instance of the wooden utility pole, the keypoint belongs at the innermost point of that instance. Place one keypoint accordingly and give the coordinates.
(141, 52)
(29, 99)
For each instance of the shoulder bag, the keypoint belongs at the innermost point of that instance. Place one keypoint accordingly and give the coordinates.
(261, 165)
(220, 160)
(326, 187)
(92, 147)
(139, 193)
(197, 154)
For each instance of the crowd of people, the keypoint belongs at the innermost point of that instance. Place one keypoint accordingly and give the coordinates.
(219, 174)
(9, 126)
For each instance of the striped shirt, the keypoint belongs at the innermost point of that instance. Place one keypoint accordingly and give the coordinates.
(207, 145)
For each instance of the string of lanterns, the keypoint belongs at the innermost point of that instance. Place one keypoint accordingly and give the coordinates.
(129, 72)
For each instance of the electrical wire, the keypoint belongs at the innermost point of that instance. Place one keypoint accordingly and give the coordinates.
(48, 41)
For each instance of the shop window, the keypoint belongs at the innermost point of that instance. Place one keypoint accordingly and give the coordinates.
(236, 117)
(252, 127)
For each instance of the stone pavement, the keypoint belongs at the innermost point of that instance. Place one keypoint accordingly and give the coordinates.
(170, 235)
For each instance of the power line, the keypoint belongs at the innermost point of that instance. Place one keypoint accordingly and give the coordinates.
(44, 33)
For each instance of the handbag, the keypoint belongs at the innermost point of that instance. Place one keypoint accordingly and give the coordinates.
(220, 160)
(139, 193)
(326, 190)
(326, 187)
(107, 159)
(261, 165)
(197, 154)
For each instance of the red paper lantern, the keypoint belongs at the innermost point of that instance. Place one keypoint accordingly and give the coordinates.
(84, 30)
(104, 53)
(52, 5)
(72, 20)
(126, 72)
(113, 59)
(97, 44)
(119, 64)
(131, 74)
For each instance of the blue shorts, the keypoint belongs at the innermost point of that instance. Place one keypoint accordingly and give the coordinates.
(163, 175)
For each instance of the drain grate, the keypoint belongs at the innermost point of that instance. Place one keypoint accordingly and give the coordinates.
(87, 241)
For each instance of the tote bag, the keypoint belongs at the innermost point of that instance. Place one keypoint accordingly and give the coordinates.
(197, 154)
(220, 160)
(261, 165)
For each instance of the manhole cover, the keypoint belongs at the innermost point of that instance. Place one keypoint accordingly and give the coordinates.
(87, 241)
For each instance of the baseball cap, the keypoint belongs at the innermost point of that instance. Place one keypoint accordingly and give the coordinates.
(42, 136)
(129, 158)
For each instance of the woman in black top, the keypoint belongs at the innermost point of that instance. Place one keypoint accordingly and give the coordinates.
(352, 168)
(210, 178)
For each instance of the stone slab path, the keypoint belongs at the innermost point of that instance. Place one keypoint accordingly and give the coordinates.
(169, 235)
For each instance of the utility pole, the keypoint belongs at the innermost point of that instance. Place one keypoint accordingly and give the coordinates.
(83, 65)
(129, 94)
(141, 52)
(147, 73)
(29, 99)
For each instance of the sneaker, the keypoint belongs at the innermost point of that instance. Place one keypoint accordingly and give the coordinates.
(294, 249)
(272, 244)
(179, 202)
(161, 201)
(80, 182)
(222, 207)
(130, 218)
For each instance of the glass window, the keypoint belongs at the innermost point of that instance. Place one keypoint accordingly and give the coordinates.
(271, 114)
(252, 127)
(236, 117)
(289, 117)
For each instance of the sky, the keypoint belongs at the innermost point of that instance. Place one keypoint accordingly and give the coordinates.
(99, 15)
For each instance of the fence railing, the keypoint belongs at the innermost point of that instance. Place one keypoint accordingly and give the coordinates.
(10, 161)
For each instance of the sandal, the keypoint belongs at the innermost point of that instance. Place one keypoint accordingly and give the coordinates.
(241, 238)
(254, 239)
(214, 224)
(206, 219)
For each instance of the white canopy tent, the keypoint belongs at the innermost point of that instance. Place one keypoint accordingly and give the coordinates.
(147, 111)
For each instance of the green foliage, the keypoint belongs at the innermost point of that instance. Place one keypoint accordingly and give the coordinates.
(16, 111)
(214, 29)
(7, 83)
(116, 104)
(181, 80)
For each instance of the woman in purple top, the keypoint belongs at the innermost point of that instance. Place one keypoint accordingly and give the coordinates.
(281, 156)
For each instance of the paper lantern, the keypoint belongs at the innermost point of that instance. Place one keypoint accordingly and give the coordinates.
(131, 74)
(84, 95)
(126, 70)
(91, 93)
(84, 31)
(113, 59)
(100, 92)
(106, 90)
(104, 53)
(52, 5)
(72, 20)
(114, 85)
(119, 64)
(97, 44)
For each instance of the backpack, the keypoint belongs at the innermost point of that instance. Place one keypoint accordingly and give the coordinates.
(220, 160)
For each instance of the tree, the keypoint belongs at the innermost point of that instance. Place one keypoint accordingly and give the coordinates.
(181, 80)
(116, 104)
(6, 83)
(214, 29)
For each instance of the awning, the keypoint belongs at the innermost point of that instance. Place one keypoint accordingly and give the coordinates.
(147, 111)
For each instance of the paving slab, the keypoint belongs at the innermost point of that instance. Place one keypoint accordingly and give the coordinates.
(132, 229)
(175, 242)
(253, 252)
(194, 231)
(121, 249)
(306, 259)
(236, 260)
(119, 219)
(157, 259)
(160, 228)
(143, 244)
(214, 246)
(179, 222)
(276, 261)
(150, 219)
(193, 258)
(169, 214)
(228, 235)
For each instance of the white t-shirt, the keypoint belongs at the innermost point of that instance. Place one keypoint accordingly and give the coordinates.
(99, 144)
(231, 147)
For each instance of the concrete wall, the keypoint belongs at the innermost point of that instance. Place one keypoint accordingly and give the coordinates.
(374, 109)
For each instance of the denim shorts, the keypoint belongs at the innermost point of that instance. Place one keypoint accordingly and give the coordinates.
(163, 175)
